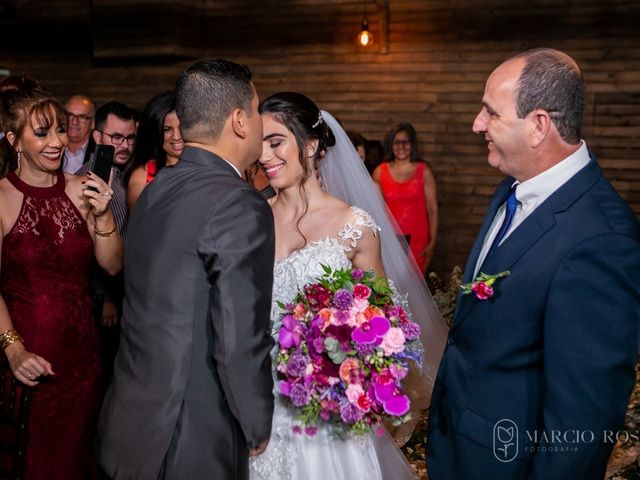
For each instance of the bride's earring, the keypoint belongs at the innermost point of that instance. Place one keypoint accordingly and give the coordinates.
(19, 152)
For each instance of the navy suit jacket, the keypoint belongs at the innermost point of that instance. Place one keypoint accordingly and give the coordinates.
(534, 380)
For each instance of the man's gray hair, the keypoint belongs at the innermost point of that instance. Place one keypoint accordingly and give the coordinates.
(551, 81)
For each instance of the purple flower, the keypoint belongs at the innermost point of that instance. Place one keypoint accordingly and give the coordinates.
(299, 395)
(284, 387)
(297, 364)
(290, 332)
(411, 330)
(311, 430)
(341, 316)
(365, 349)
(371, 331)
(342, 299)
(296, 429)
(357, 274)
(350, 413)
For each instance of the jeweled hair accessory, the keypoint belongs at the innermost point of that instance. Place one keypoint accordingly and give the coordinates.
(319, 121)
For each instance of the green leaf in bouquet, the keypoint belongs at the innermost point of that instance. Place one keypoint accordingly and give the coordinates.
(331, 344)
(281, 306)
(348, 285)
(326, 268)
(338, 356)
(360, 428)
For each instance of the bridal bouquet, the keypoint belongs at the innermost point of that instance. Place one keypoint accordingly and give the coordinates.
(344, 350)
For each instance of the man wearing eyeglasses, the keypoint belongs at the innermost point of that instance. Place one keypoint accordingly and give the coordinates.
(115, 125)
(80, 114)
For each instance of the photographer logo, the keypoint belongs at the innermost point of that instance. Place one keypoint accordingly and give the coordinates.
(505, 440)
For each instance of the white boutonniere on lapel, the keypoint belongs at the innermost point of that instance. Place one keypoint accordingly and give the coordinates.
(482, 286)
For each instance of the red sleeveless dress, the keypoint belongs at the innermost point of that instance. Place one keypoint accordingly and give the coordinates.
(409, 207)
(44, 280)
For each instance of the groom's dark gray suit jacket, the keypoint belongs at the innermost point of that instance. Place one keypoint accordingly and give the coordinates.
(192, 386)
(553, 350)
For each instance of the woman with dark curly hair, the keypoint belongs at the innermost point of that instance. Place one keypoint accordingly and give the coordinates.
(159, 144)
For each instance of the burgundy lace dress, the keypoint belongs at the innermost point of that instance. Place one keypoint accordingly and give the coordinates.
(46, 258)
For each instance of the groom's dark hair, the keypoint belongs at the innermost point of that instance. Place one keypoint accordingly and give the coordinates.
(206, 94)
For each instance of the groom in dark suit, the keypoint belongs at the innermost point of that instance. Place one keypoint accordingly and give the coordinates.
(535, 379)
(191, 396)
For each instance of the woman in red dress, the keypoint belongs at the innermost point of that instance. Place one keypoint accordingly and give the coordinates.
(409, 188)
(159, 144)
(51, 227)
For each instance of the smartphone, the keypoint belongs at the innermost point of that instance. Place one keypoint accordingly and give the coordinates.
(102, 162)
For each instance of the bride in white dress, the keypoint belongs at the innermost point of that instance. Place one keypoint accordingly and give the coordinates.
(314, 228)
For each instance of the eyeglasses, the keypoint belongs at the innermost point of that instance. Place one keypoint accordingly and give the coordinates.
(82, 118)
(118, 138)
(402, 143)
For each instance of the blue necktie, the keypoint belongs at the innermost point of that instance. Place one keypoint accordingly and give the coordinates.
(510, 210)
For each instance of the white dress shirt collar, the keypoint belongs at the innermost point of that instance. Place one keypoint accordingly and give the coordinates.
(539, 188)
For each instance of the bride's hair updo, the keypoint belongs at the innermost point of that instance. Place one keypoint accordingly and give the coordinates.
(302, 117)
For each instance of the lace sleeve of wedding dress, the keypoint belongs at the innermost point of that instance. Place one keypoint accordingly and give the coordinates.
(344, 175)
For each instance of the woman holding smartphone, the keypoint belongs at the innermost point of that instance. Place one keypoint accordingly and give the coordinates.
(52, 226)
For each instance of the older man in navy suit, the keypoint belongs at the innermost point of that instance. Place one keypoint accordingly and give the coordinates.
(536, 376)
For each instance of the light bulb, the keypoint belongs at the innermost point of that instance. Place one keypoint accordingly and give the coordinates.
(365, 38)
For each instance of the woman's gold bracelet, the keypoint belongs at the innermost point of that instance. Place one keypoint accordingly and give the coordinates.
(100, 233)
(8, 337)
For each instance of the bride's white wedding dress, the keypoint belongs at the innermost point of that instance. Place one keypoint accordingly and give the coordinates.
(292, 456)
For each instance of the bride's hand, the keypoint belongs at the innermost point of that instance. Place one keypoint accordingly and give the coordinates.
(259, 450)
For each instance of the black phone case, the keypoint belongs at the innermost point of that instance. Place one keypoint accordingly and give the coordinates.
(103, 161)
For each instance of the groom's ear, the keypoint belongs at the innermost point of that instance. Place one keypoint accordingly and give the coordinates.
(239, 122)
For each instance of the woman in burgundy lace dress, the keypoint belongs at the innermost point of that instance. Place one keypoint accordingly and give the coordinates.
(51, 227)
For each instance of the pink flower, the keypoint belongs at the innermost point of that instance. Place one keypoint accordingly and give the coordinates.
(398, 371)
(393, 341)
(353, 393)
(361, 291)
(299, 311)
(346, 367)
(482, 290)
(359, 305)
